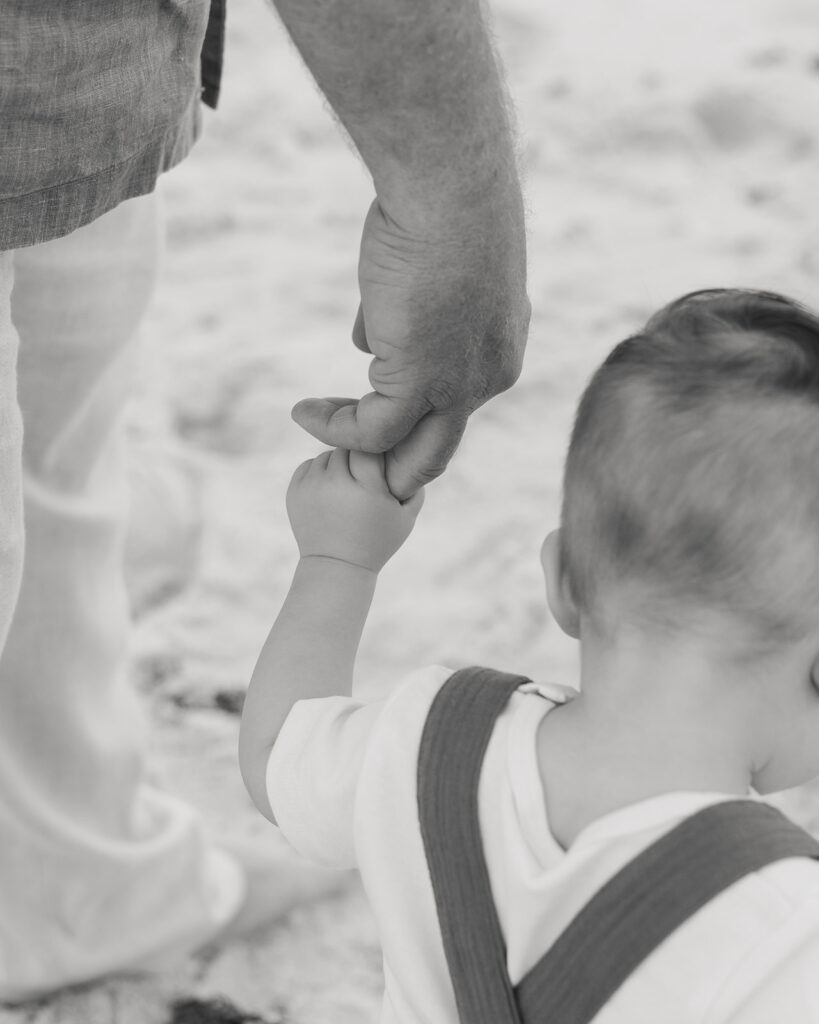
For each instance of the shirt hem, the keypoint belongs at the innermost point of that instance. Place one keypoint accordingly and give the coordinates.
(57, 210)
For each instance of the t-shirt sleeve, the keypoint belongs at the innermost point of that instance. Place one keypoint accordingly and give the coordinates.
(312, 775)
(315, 767)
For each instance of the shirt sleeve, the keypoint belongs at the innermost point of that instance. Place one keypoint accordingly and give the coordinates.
(312, 775)
(315, 767)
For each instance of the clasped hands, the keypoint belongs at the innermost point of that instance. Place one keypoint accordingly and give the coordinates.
(444, 313)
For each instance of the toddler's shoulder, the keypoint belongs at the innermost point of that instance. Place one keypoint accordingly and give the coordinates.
(557, 693)
(415, 693)
(406, 704)
(421, 685)
(795, 880)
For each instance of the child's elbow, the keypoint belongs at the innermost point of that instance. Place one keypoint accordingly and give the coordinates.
(253, 768)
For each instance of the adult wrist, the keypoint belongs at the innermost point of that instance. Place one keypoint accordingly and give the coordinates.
(438, 200)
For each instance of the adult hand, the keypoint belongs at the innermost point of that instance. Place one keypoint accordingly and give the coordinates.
(444, 313)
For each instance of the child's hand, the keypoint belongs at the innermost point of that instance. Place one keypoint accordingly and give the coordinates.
(340, 507)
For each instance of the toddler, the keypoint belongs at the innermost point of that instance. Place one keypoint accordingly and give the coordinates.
(687, 566)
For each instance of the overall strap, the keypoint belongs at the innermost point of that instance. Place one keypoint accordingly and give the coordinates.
(454, 740)
(648, 899)
(619, 927)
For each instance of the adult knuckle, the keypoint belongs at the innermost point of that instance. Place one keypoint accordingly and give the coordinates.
(441, 393)
(426, 474)
(506, 362)
(508, 374)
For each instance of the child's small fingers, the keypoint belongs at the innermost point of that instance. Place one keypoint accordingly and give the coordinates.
(338, 464)
(319, 463)
(368, 470)
(301, 470)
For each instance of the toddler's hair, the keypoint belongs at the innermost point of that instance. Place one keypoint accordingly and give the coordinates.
(691, 488)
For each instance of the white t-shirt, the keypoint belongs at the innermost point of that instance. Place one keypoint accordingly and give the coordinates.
(342, 783)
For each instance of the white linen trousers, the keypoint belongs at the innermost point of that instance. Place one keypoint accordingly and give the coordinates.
(97, 869)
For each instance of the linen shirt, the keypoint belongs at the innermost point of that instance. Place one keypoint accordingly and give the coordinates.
(341, 780)
(97, 99)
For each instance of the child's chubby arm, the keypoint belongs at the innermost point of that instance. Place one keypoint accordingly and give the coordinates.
(347, 525)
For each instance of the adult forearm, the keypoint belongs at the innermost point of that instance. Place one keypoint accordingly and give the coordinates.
(417, 86)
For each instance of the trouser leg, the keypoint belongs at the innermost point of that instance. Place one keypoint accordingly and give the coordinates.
(100, 870)
(11, 562)
(11, 507)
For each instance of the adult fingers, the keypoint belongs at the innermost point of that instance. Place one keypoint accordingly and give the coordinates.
(374, 423)
(360, 332)
(424, 454)
(368, 470)
(415, 503)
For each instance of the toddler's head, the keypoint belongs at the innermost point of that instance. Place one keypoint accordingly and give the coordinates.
(691, 490)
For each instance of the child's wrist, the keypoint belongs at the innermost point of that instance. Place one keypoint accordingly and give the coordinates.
(336, 564)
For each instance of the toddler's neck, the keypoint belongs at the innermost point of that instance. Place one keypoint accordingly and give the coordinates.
(647, 722)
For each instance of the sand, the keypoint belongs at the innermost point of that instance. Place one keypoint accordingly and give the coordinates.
(665, 147)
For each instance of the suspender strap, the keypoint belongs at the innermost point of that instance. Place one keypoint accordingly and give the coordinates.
(619, 927)
(649, 899)
(455, 737)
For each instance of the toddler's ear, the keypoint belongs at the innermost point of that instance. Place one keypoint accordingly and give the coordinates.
(558, 593)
